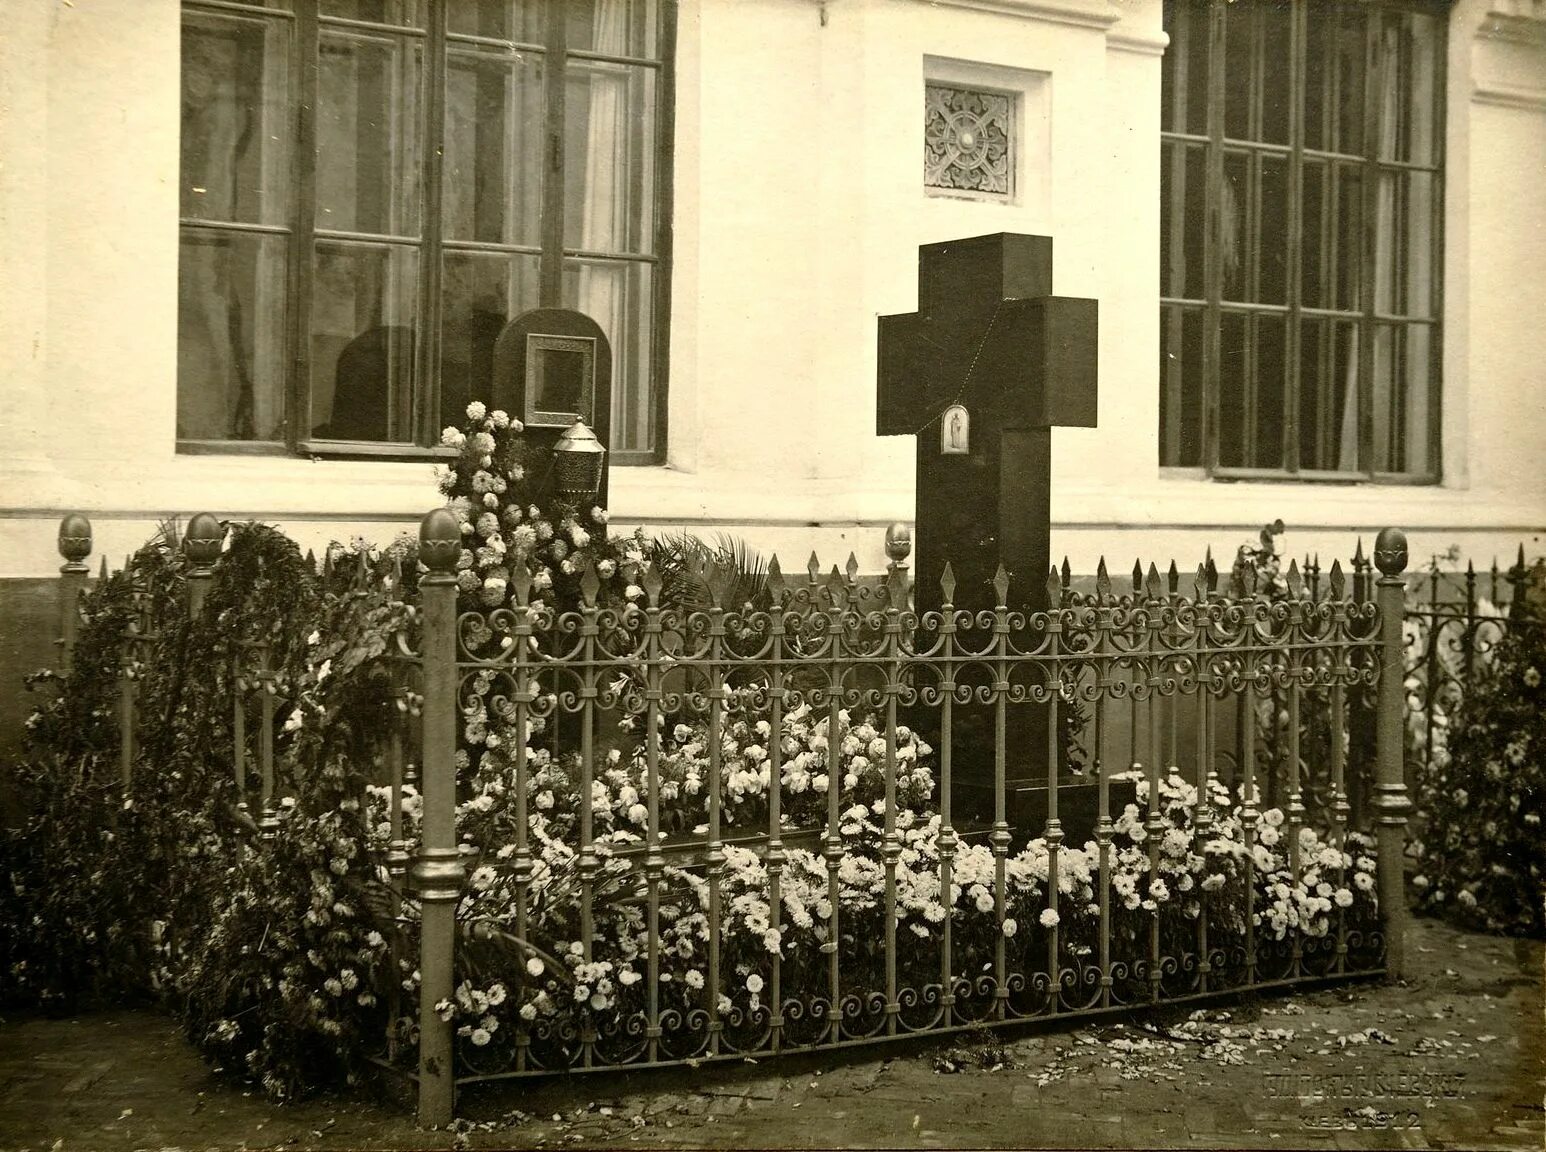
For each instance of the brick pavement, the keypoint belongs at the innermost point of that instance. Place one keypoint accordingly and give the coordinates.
(1455, 1058)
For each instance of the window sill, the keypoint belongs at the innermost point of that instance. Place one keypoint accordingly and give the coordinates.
(1321, 479)
(316, 449)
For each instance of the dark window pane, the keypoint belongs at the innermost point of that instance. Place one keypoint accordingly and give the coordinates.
(1349, 67)
(1346, 272)
(230, 335)
(494, 148)
(519, 21)
(1241, 85)
(1344, 406)
(1403, 428)
(368, 133)
(1271, 232)
(1277, 76)
(620, 296)
(1236, 204)
(1313, 420)
(1233, 385)
(616, 27)
(609, 158)
(363, 320)
(481, 293)
(404, 13)
(1405, 97)
(1314, 237)
(1181, 386)
(1271, 362)
(235, 119)
(1183, 175)
(1405, 244)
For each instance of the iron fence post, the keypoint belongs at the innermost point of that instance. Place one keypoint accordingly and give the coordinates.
(438, 873)
(201, 544)
(74, 546)
(1391, 803)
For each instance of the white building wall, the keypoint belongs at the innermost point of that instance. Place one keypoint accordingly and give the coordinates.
(799, 209)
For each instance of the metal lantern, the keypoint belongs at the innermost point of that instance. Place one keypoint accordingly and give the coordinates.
(578, 458)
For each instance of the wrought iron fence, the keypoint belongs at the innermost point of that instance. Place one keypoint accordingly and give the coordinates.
(1241, 838)
(1454, 623)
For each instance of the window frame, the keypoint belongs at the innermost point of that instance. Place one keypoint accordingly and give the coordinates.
(305, 26)
(1215, 145)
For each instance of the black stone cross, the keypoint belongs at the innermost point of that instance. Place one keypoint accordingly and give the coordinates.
(988, 337)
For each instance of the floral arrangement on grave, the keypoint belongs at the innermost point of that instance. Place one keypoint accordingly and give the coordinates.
(1482, 859)
(497, 489)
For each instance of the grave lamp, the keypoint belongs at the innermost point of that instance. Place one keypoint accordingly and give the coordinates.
(577, 462)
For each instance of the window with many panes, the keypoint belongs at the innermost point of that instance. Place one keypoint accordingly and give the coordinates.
(1300, 241)
(372, 189)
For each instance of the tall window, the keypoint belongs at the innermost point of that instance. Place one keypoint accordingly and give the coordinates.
(1300, 245)
(372, 189)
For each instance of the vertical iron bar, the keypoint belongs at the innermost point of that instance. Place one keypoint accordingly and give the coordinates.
(947, 832)
(1390, 795)
(1105, 665)
(1296, 810)
(1205, 775)
(74, 546)
(891, 841)
(999, 837)
(715, 857)
(776, 857)
(1054, 830)
(525, 695)
(1154, 826)
(439, 872)
(1339, 805)
(239, 726)
(589, 861)
(128, 673)
(654, 858)
(268, 818)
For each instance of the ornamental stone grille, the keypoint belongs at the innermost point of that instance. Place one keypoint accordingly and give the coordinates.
(969, 141)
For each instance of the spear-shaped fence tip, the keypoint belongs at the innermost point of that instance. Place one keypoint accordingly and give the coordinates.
(852, 568)
(1054, 588)
(1137, 576)
(650, 581)
(590, 583)
(1358, 557)
(1173, 578)
(947, 584)
(1338, 582)
(520, 581)
(1102, 580)
(1295, 583)
(1154, 587)
(1067, 573)
(1521, 561)
(1001, 586)
(775, 581)
(813, 568)
(1200, 583)
(1212, 572)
